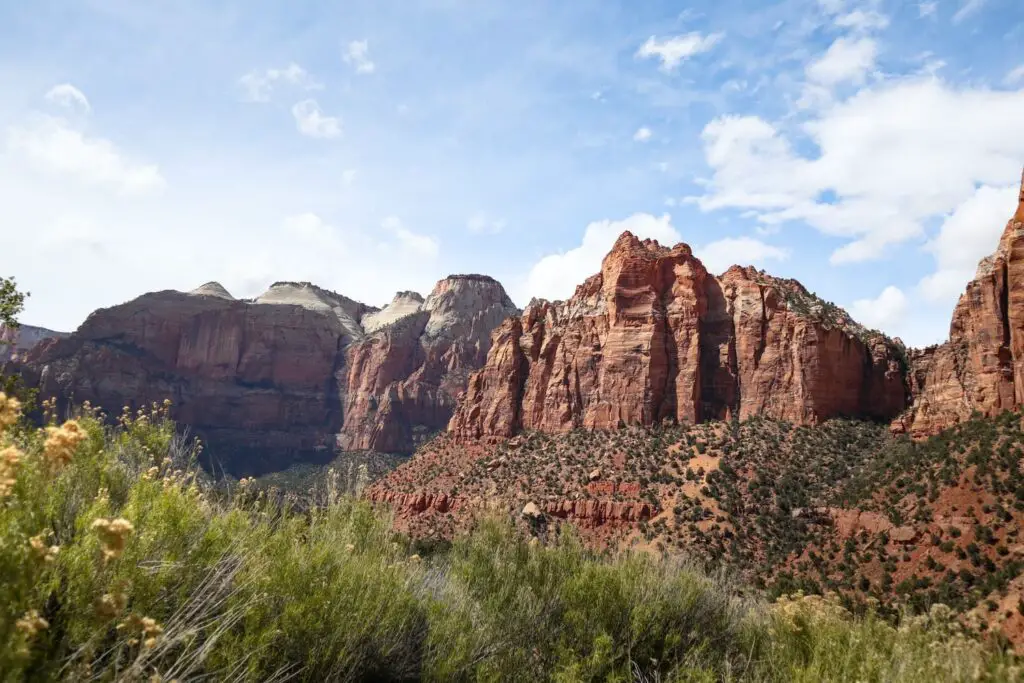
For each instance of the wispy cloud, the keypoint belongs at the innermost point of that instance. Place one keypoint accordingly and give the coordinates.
(967, 9)
(312, 122)
(257, 86)
(847, 60)
(52, 144)
(675, 50)
(67, 95)
(481, 223)
(358, 55)
(1014, 76)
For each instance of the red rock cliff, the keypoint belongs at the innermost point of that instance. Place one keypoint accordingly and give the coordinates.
(293, 374)
(654, 336)
(248, 377)
(404, 378)
(981, 367)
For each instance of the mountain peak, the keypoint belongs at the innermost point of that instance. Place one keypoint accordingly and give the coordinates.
(212, 289)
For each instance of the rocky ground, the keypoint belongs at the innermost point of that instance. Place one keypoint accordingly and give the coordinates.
(843, 506)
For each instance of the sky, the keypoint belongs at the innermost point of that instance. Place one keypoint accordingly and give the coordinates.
(871, 149)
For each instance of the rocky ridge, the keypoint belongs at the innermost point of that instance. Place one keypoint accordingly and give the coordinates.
(14, 342)
(655, 337)
(981, 367)
(266, 382)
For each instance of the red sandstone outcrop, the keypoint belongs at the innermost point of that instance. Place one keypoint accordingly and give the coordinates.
(405, 376)
(981, 367)
(654, 336)
(589, 512)
(290, 375)
(18, 341)
(249, 377)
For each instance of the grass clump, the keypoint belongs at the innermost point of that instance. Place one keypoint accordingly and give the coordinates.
(119, 562)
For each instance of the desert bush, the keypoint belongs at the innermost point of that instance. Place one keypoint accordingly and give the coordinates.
(119, 561)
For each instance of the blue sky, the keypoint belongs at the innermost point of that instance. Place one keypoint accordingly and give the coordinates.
(869, 148)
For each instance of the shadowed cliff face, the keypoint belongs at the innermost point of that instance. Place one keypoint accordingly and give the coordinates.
(654, 337)
(404, 378)
(16, 342)
(291, 376)
(259, 383)
(981, 367)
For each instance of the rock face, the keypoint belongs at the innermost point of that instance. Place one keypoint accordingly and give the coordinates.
(15, 342)
(260, 383)
(655, 337)
(291, 375)
(981, 367)
(404, 378)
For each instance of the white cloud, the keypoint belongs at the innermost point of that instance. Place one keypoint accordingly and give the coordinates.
(1015, 75)
(886, 154)
(482, 224)
(967, 235)
(51, 144)
(642, 134)
(846, 60)
(673, 51)
(967, 9)
(259, 85)
(557, 275)
(358, 55)
(861, 20)
(927, 9)
(718, 256)
(887, 310)
(348, 177)
(312, 122)
(67, 95)
(412, 243)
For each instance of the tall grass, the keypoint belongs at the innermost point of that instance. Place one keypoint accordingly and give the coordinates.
(119, 563)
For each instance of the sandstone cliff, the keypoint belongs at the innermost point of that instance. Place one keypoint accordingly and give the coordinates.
(403, 379)
(15, 342)
(655, 337)
(290, 375)
(981, 367)
(259, 382)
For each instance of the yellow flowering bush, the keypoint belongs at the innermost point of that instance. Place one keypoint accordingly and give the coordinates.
(62, 442)
(10, 411)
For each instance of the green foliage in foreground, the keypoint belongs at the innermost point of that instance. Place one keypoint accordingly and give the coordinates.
(184, 583)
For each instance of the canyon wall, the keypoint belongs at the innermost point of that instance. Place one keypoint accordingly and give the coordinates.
(655, 337)
(294, 374)
(981, 367)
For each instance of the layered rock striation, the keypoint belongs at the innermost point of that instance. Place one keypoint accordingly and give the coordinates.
(18, 341)
(655, 337)
(259, 382)
(293, 374)
(405, 377)
(981, 367)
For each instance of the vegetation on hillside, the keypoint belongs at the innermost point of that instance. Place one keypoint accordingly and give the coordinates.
(119, 563)
(886, 523)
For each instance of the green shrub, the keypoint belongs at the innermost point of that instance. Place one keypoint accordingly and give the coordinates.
(119, 561)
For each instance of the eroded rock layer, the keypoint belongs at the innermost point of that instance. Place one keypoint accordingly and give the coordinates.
(655, 337)
(292, 375)
(404, 378)
(258, 382)
(981, 367)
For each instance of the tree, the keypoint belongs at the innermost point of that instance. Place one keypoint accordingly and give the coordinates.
(12, 302)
